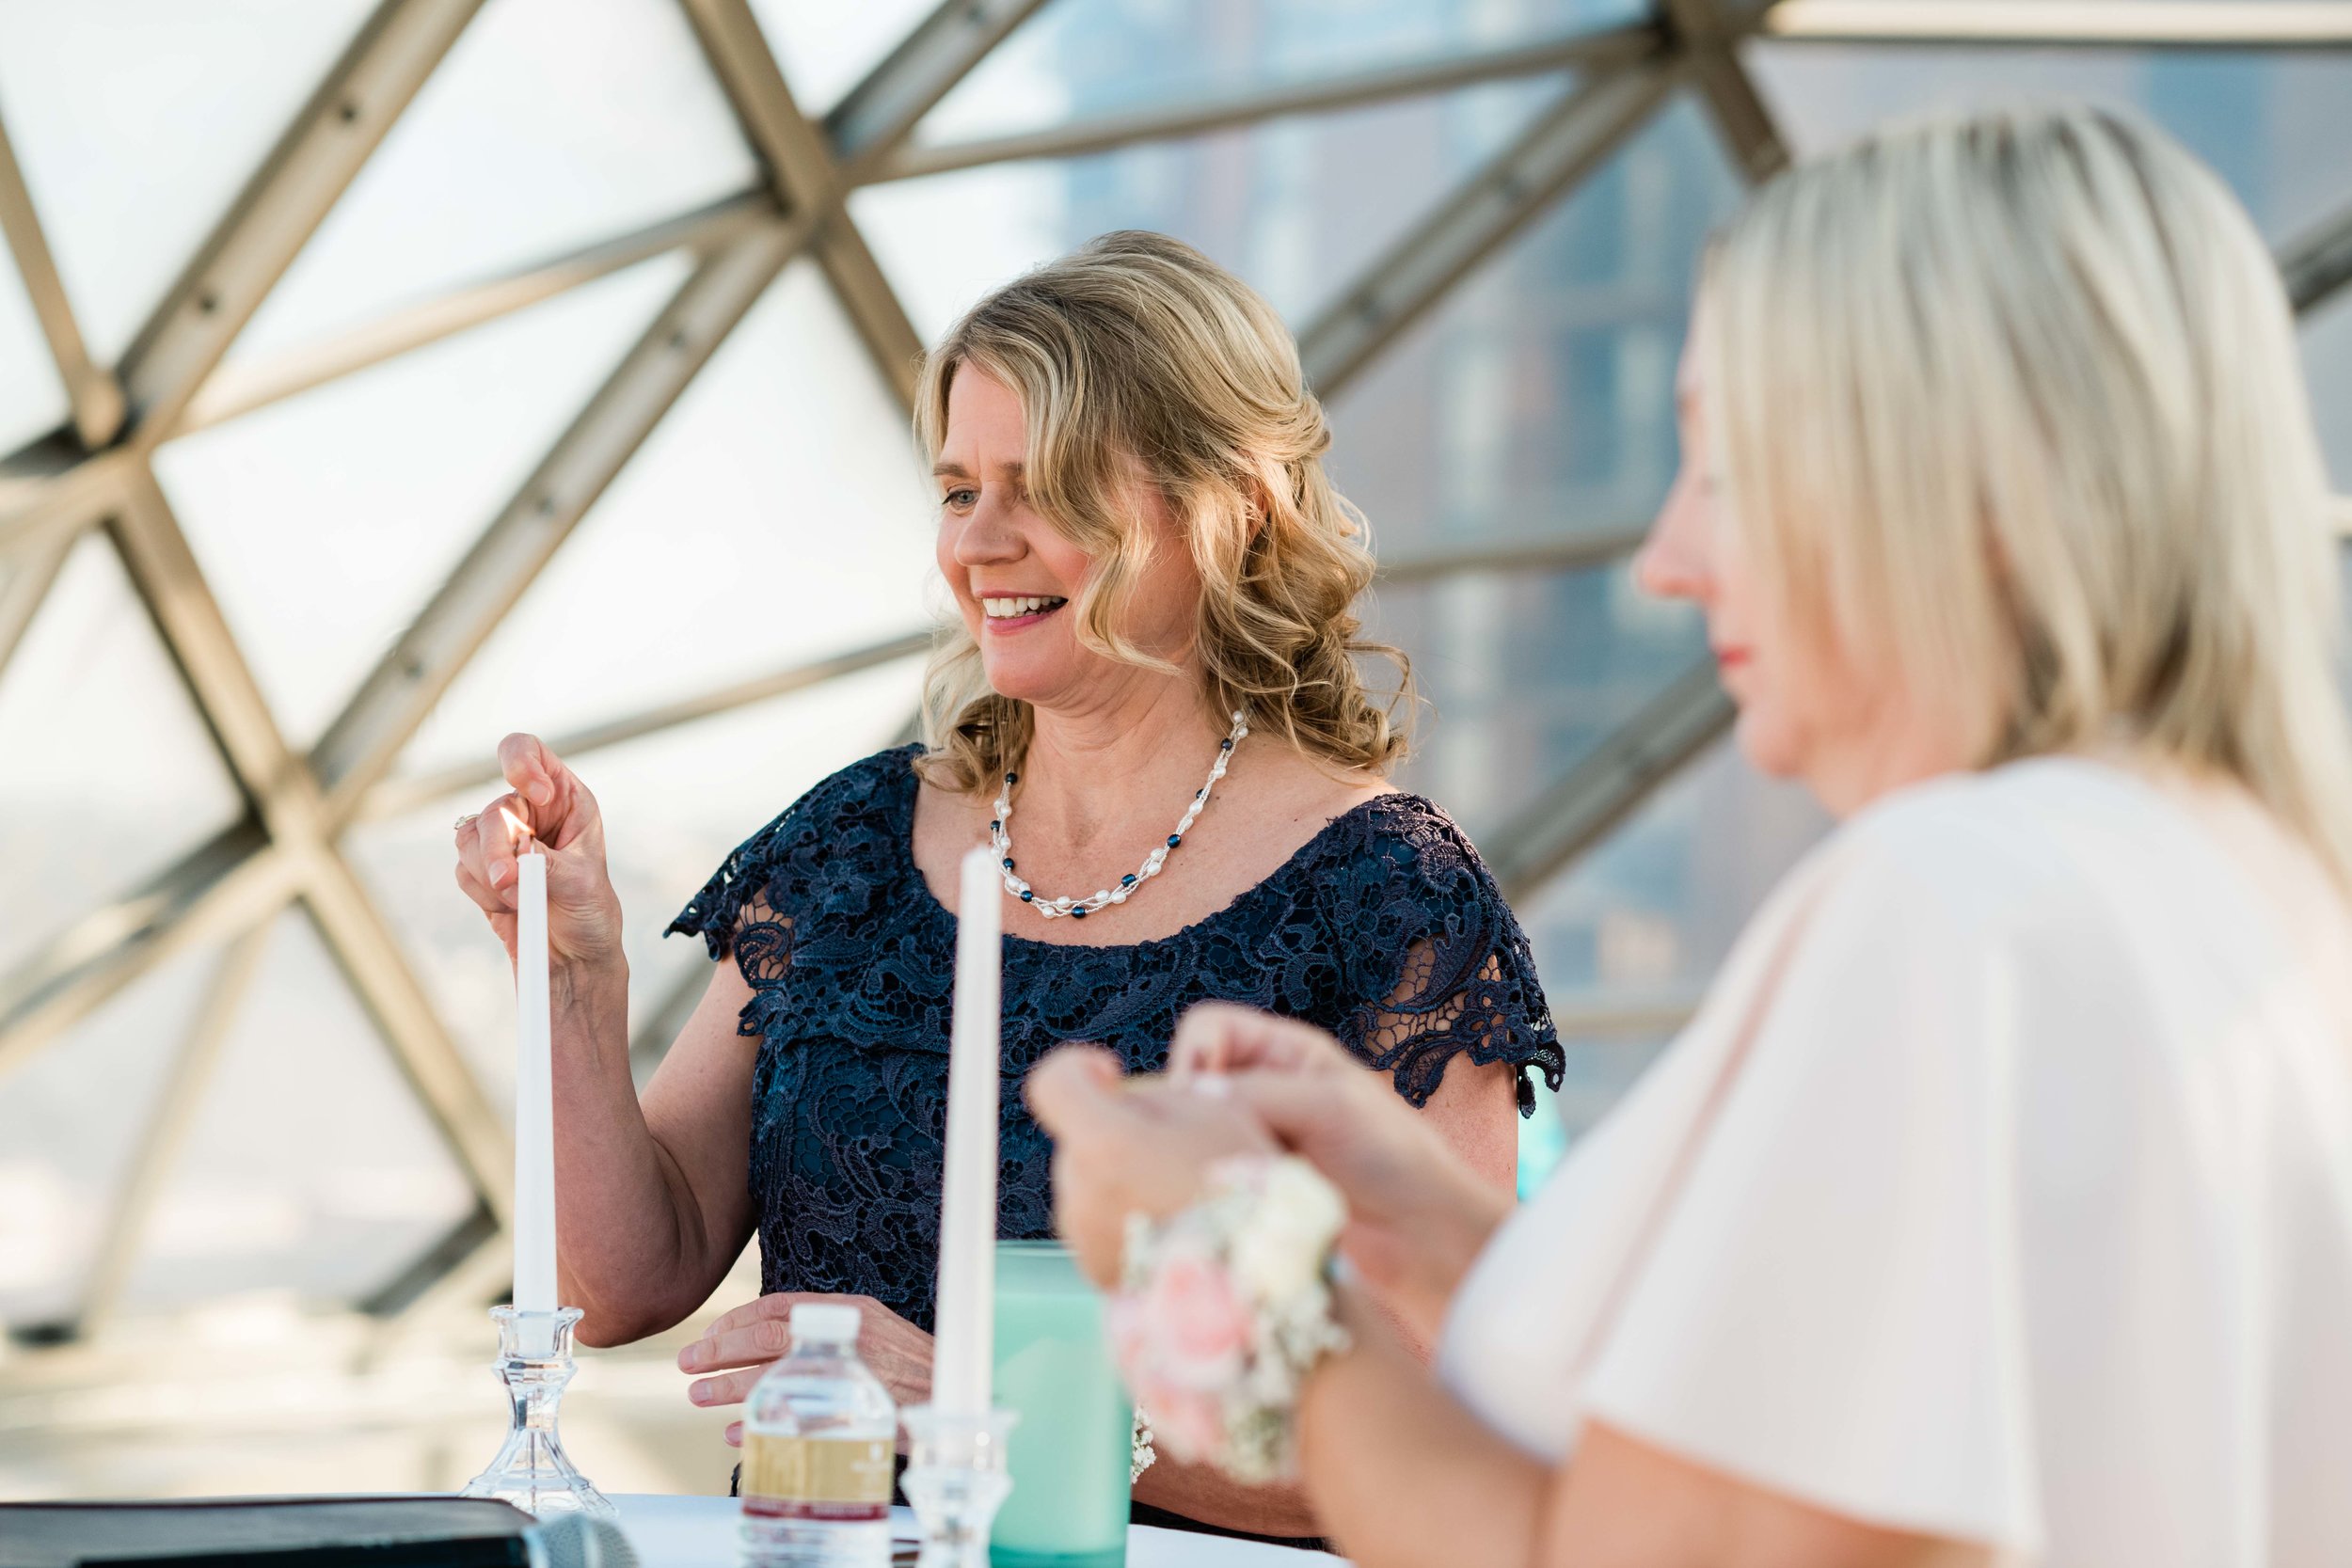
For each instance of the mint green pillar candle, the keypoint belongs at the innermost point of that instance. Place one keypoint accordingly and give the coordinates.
(1069, 1452)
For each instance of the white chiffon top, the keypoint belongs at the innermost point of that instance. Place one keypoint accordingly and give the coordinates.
(2001, 1190)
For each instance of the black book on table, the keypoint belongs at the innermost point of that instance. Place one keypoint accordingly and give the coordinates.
(268, 1532)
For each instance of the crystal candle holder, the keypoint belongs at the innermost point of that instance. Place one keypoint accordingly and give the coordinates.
(532, 1471)
(956, 1481)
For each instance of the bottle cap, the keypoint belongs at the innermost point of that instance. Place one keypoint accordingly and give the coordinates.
(824, 1321)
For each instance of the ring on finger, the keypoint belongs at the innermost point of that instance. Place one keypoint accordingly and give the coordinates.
(465, 821)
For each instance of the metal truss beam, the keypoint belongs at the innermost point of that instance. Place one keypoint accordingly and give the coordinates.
(1602, 790)
(178, 1100)
(359, 747)
(2318, 264)
(237, 390)
(880, 112)
(47, 487)
(282, 205)
(25, 586)
(1486, 212)
(809, 182)
(1576, 553)
(2109, 24)
(1591, 51)
(95, 396)
(287, 801)
(398, 795)
(227, 884)
(1708, 31)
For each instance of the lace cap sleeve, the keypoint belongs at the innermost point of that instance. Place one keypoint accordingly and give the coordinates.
(768, 875)
(1439, 961)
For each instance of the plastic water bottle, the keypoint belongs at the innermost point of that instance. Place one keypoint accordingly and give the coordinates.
(819, 1434)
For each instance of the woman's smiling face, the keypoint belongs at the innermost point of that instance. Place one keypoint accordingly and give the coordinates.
(1015, 575)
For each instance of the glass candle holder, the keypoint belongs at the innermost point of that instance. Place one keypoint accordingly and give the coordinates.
(1071, 1455)
(955, 1480)
(531, 1470)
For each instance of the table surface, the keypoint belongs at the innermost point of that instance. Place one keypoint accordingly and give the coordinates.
(699, 1533)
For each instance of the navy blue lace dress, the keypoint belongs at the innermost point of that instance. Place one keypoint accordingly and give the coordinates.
(1384, 928)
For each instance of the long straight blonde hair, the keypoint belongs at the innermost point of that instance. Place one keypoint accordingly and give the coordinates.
(2012, 401)
(1138, 349)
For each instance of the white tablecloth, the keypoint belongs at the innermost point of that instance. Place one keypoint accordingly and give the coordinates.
(699, 1533)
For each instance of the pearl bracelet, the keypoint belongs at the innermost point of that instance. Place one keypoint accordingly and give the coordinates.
(1224, 1307)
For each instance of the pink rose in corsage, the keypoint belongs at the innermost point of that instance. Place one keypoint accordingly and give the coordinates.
(1223, 1309)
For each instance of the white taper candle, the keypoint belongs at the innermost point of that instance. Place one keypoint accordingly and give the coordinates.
(535, 1092)
(967, 1221)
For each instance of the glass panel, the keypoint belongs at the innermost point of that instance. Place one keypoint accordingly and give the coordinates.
(1536, 402)
(310, 1168)
(777, 516)
(1298, 207)
(148, 117)
(2273, 125)
(1523, 675)
(552, 123)
(2326, 341)
(69, 1120)
(1628, 940)
(674, 804)
(109, 771)
(1083, 57)
(32, 398)
(321, 529)
(826, 48)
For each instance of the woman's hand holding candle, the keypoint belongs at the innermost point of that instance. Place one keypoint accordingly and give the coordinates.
(583, 912)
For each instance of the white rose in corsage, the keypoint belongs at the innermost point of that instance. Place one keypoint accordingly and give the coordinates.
(1224, 1307)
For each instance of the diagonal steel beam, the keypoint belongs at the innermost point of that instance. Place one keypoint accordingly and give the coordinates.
(405, 793)
(1582, 52)
(2110, 23)
(359, 747)
(231, 883)
(178, 1100)
(1602, 789)
(240, 388)
(94, 394)
(808, 181)
(1487, 211)
(282, 205)
(1710, 30)
(287, 801)
(881, 111)
(2318, 264)
(27, 585)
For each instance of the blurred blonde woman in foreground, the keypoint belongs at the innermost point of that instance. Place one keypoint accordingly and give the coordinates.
(1997, 1205)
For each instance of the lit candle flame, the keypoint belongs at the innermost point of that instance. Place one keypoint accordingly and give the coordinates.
(517, 831)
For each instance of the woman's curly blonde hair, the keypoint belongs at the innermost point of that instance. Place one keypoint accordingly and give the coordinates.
(1137, 348)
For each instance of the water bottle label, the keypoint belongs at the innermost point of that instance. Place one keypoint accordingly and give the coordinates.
(816, 1478)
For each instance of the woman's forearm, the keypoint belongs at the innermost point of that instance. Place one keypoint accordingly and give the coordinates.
(626, 1229)
(1400, 1475)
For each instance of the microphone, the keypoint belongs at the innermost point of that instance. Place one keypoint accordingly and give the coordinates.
(576, 1541)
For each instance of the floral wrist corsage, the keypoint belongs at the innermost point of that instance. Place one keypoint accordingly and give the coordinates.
(1224, 1307)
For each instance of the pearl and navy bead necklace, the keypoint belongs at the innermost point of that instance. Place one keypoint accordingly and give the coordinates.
(1000, 835)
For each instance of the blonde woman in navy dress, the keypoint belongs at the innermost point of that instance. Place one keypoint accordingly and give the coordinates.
(1997, 1207)
(1149, 698)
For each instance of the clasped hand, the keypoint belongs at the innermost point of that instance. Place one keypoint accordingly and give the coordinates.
(1241, 1081)
(740, 1346)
